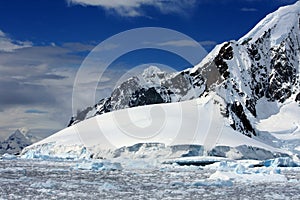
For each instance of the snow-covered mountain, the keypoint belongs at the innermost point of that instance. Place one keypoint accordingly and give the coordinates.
(248, 91)
(262, 67)
(16, 142)
(152, 87)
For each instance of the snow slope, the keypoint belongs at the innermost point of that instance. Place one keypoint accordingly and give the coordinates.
(194, 122)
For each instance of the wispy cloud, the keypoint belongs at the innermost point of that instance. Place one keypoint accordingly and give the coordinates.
(208, 43)
(135, 8)
(249, 9)
(9, 45)
(34, 111)
(179, 43)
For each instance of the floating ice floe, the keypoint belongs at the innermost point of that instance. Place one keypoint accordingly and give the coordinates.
(203, 183)
(97, 166)
(195, 161)
(8, 156)
(240, 173)
(281, 162)
(49, 184)
(107, 187)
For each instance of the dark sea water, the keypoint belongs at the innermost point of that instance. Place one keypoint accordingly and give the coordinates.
(28, 179)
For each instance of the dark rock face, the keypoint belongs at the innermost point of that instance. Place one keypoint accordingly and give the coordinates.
(273, 74)
(225, 53)
(105, 106)
(134, 92)
(298, 97)
(145, 97)
(275, 78)
(284, 75)
(241, 124)
(121, 96)
(80, 115)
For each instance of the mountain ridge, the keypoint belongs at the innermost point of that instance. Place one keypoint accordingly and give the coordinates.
(15, 142)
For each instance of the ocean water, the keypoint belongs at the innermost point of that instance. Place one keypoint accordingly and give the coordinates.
(36, 179)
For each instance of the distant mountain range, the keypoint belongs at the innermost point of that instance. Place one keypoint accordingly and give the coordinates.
(17, 141)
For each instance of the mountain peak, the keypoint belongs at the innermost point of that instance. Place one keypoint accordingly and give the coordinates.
(280, 24)
(24, 131)
(151, 70)
(152, 75)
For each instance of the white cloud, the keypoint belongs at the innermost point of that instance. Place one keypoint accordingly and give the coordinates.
(2, 34)
(31, 86)
(8, 45)
(134, 8)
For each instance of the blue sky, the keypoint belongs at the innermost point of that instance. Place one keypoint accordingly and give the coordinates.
(61, 21)
(43, 42)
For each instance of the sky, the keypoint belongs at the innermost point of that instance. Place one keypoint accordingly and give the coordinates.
(43, 44)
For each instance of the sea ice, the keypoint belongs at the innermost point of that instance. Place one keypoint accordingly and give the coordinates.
(8, 156)
(97, 166)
